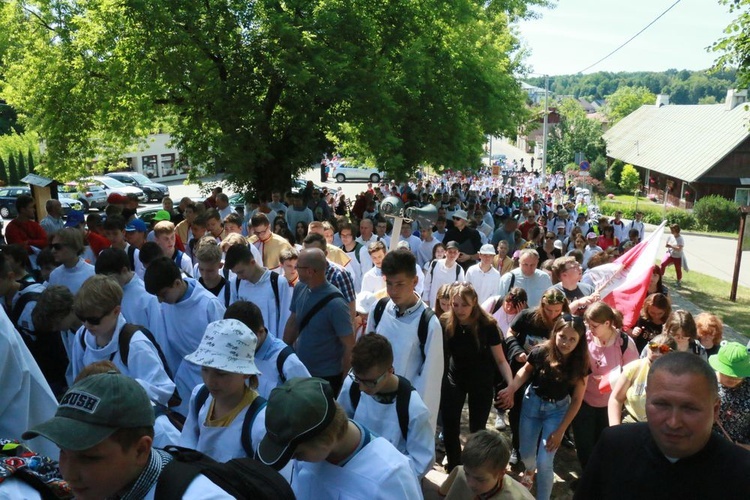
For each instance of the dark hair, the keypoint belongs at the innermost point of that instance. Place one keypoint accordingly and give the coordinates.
(23, 201)
(247, 313)
(93, 220)
(160, 274)
(149, 252)
(371, 350)
(200, 220)
(237, 254)
(685, 363)
(486, 449)
(212, 213)
(111, 261)
(18, 254)
(681, 320)
(435, 248)
(45, 257)
(115, 223)
(233, 218)
(316, 239)
(259, 219)
(656, 300)
(399, 261)
(576, 366)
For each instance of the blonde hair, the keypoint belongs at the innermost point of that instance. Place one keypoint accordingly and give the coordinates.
(70, 237)
(231, 240)
(207, 250)
(99, 294)
(163, 227)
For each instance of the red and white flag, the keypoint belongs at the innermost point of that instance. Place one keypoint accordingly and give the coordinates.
(623, 283)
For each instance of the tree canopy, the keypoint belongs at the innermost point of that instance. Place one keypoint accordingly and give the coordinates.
(574, 134)
(735, 46)
(625, 100)
(261, 89)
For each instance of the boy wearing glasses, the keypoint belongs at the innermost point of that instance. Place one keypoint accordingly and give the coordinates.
(387, 404)
(269, 244)
(98, 306)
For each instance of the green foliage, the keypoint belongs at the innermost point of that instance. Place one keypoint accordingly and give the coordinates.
(13, 143)
(3, 173)
(716, 213)
(31, 161)
(261, 89)
(598, 168)
(735, 46)
(575, 133)
(572, 168)
(615, 171)
(683, 87)
(21, 166)
(652, 214)
(611, 187)
(12, 171)
(630, 180)
(625, 100)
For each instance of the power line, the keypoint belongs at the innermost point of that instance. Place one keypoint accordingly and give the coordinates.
(632, 37)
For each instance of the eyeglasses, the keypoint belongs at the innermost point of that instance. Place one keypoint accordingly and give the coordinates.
(661, 348)
(569, 318)
(370, 384)
(57, 246)
(94, 321)
(549, 237)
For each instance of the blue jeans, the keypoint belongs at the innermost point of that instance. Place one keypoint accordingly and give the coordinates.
(538, 420)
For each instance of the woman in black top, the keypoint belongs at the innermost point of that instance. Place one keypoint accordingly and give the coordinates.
(656, 309)
(556, 369)
(473, 350)
(530, 328)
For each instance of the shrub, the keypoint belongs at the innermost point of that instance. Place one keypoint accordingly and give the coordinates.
(651, 214)
(611, 187)
(598, 169)
(615, 171)
(716, 213)
(630, 180)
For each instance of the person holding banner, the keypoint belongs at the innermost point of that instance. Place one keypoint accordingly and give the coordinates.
(609, 351)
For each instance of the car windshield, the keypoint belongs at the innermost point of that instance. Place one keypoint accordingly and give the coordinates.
(140, 178)
(110, 182)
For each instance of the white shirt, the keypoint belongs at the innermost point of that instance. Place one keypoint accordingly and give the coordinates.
(266, 358)
(435, 277)
(485, 283)
(142, 308)
(262, 295)
(373, 281)
(72, 277)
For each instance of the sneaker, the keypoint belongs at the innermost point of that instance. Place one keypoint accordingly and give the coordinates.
(513, 457)
(500, 422)
(678, 284)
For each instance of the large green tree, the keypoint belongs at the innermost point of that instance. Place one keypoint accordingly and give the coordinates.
(261, 89)
(625, 100)
(735, 46)
(574, 134)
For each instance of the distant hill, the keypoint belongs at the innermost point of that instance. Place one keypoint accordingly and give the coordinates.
(682, 86)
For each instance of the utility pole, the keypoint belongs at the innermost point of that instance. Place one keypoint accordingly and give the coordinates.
(546, 124)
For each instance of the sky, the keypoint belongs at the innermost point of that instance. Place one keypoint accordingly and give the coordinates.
(577, 33)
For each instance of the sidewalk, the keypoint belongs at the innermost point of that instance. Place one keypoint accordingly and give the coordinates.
(680, 302)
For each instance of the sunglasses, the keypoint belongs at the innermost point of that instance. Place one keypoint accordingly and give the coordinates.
(549, 237)
(368, 383)
(569, 318)
(555, 297)
(94, 321)
(661, 348)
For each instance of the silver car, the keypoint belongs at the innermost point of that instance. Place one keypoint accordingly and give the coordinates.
(343, 172)
(114, 186)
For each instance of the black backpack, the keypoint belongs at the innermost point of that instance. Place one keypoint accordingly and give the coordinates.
(432, 270)
(403, 398)
(422, 329)
(123, 347)
(281, 359)
(243, 478)
(19, 306)
(246, 438)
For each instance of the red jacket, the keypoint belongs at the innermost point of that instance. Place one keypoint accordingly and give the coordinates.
(28, 233)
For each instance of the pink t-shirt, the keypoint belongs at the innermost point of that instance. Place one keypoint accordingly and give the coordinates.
(604, 360)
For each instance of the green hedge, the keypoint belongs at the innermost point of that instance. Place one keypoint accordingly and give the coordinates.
(717, 214)
(651, 214)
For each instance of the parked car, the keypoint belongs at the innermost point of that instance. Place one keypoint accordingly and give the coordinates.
(344, 172)
(111, 185)
(153, 190)
(9, 194)
(90, 194)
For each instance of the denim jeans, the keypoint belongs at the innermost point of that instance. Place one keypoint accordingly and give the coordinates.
(539, 419)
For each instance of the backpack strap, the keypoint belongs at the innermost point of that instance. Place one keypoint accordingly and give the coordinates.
(624, 346)
(281, 359)
(275, 286)
(316, 309)
(131, 257)
(247, 425)
(497, 305)
(227, 288)
(377, 313)
(423, 329)
(355, 394)
(403, 398)
(432, 270)
(200, 400)
(177, 257)
(512, 282)
(458, 271)
(20, 305)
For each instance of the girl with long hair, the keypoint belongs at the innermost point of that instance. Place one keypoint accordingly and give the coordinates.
(473, 350)
(556, 371)
(609, 351)
(681, 326)
(530, 328)
(654, 313)
(300, 231)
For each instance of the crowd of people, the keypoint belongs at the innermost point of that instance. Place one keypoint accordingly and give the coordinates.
(306, 337)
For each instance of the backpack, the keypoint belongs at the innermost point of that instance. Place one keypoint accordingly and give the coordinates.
(357, 248)
(243, 478)
(624, 346)
(123, 347)
(274, 285)
(131, 257)
(422, 329)
(403, 398)
(20, 305)
(432, 270)
(281, 359)
(37, 471)
(177, 257)
(246, 437)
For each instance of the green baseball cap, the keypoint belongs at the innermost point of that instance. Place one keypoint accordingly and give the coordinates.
(732, 360)
(162, 215)
(93, 409)
(297, 411)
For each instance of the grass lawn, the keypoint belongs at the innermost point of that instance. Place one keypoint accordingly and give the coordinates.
(712, 295)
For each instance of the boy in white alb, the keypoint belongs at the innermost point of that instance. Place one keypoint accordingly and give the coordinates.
(266, 289)
(483, 275)
(335, 457)
(372, 280)
(276, 361)
(188, 308)
(442, 272)
(419, 360)
(220, 406)
(388, 404)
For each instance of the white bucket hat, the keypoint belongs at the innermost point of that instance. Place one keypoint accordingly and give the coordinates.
(227, 345)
